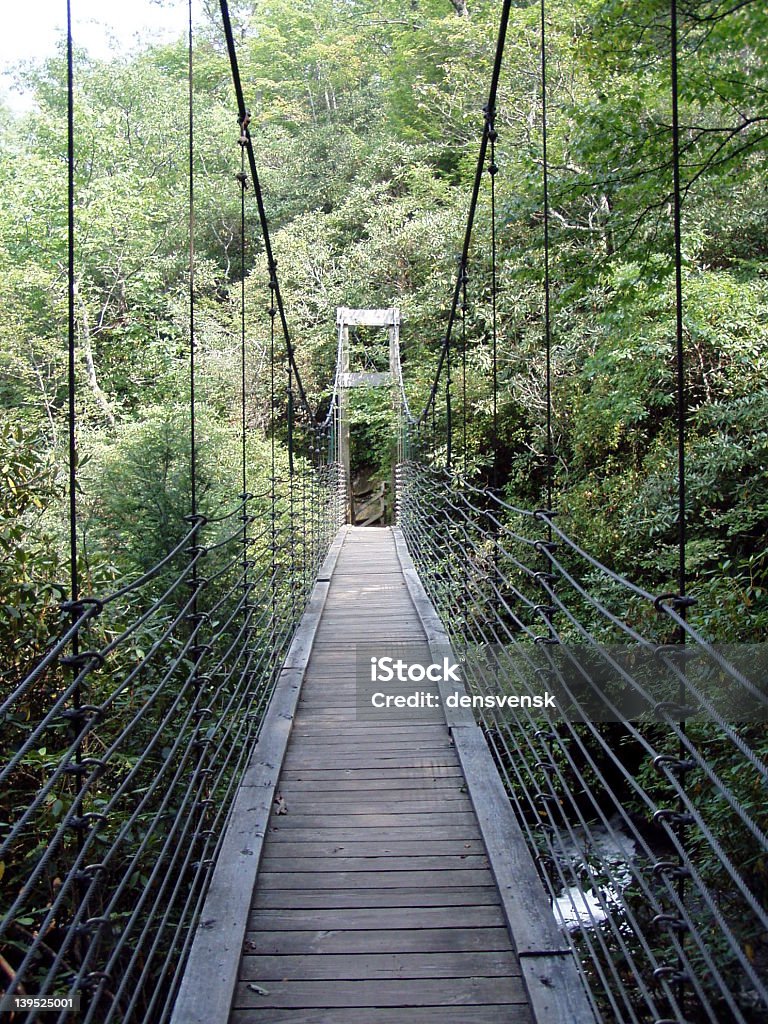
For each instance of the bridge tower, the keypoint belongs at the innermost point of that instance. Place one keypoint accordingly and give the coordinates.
(346, 318)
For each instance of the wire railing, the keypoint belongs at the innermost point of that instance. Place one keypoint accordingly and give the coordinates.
(642, 796)
(125, 743)
(122, 760)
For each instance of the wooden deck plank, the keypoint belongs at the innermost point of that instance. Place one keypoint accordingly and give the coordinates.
(352, 801)
(370, 730)
(374, 920)
(403, 896)
(402, 992)
(321, 822)
(385, 746)
(334, 880)
(406, 834)
(393, 846)
(276, 860)
(432, 771)
(426, 784)
(441, 1014)
(401, 759)
(391, 964)
(448, 939)
(381, 802)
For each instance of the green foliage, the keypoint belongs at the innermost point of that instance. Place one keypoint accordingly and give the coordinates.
(365, 124)
(29, 562)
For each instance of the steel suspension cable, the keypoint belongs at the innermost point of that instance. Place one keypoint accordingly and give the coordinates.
(679, 336)
(448, 413)
(244, 121)
(682, 601)
(490, 116)
(547, 283)
(243, 180)
(191, 278)
(71, 382)
(479, 172)
(75, 606)
(464, 367)
(272, 311)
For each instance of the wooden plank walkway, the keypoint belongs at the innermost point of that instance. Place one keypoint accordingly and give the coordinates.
(376, 900)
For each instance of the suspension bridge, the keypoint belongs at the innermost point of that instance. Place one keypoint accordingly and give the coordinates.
(228, 826)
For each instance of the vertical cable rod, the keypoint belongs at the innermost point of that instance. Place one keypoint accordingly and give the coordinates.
(464, 365)
(74, 576)
(679, 338)
(448, 411)
(273, 467)
(191, 229)
(681, 829)
(242, 178)
(71, 385)
(547, 282)
(493, 171)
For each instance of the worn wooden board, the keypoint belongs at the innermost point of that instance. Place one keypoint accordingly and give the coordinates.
(402, 992)
(412, 833)
(380, 802)
(374, 966)
(419, 784)
(392, 845)
(276, 860)
(383, 879)
(321, 822)
(369, 730)
(432, 771)
(486, 1014)
(377, 921)
(448, 939)
(386, 746)
(403, 896)
(346, 802)
(371, 759)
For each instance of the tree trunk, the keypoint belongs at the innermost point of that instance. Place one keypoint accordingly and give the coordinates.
(90, 370)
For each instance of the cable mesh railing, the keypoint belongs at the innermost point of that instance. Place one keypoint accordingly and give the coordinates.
(642, 796)
(122, 760)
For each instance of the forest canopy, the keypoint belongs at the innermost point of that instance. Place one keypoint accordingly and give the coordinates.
(365, 121)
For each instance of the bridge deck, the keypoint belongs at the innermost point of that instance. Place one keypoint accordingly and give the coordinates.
(374, 891)
(373, 870)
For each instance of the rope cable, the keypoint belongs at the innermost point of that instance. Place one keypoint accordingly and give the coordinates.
(242, 178)
(479, 172)
(71, 285)
(681, 828)
(75, 607)
(448, 411)
(493, 171)
(464, 367)
(679, 337)
(547, 281)
(244, 120)
(191, 277)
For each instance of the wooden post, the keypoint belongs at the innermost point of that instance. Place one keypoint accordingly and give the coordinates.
(344, 437)
(345, 317)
